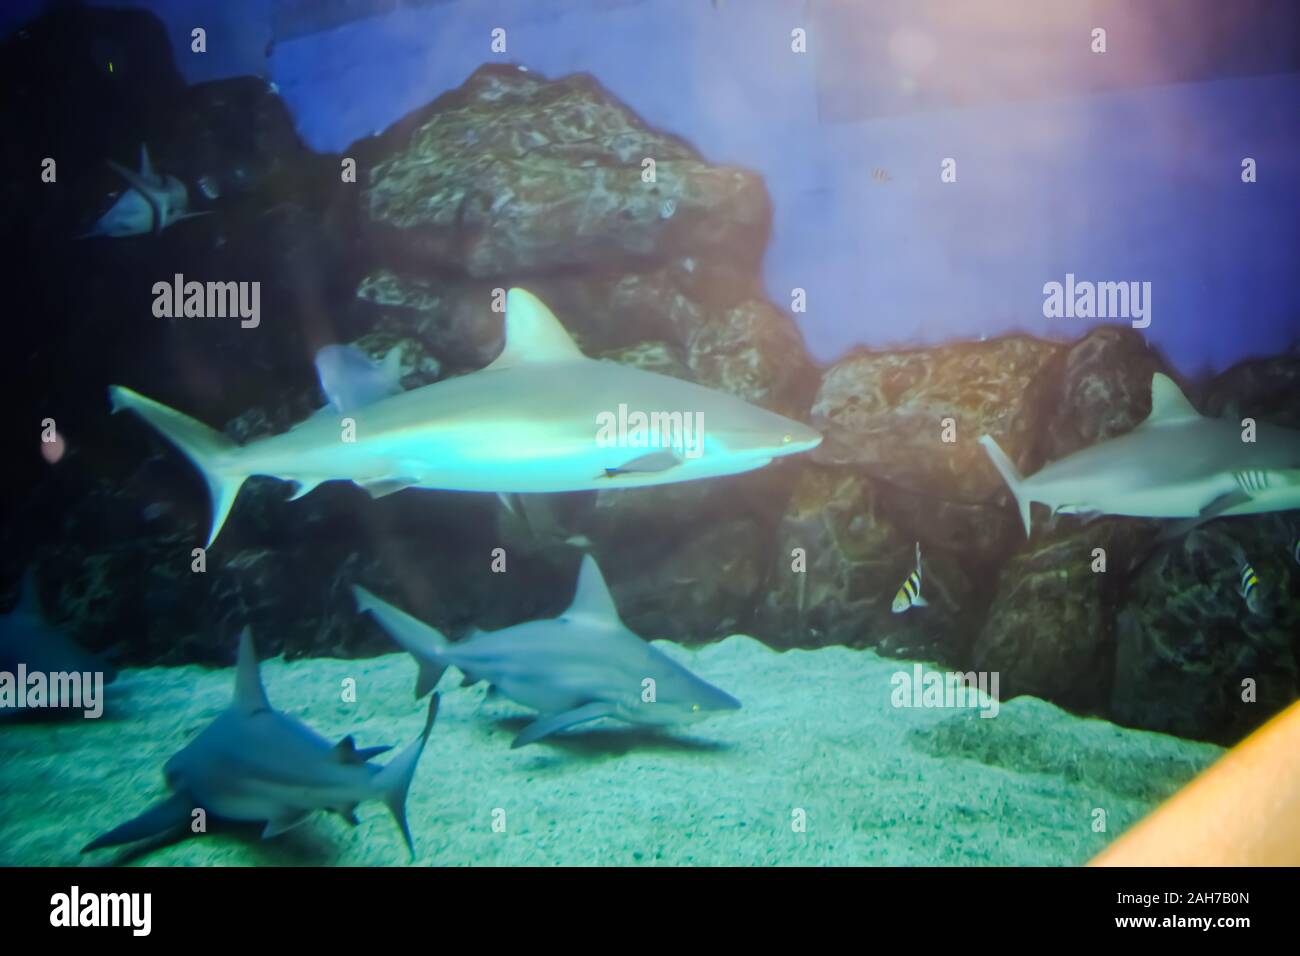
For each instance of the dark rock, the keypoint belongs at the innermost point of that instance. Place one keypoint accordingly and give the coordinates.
(1050, 631)
(1104, 390)
(884, 412)
(1186, 639)
(1268, 389)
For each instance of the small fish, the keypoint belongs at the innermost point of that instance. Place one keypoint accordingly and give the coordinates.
(209, 187)
(881, 175)
(1249, 589)
(909, 595)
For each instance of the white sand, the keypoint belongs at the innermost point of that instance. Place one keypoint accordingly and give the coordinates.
(879, 785)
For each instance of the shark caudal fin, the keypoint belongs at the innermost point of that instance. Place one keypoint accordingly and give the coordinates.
(172, 814)
(1011, 475)
(426, 644)
(394, 780)
(212, 452)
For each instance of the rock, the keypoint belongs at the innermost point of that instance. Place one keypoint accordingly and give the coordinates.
(1268, 389)
(856, 561)
(512, 173)
(1104, 390)
(755, 352)
(1186, 640)
(1050, 631)
(884, 412)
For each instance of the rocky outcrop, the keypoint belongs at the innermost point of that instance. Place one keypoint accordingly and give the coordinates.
(514, 173)
(888, 413)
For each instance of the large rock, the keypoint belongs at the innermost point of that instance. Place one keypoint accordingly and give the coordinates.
(1186, 640)
(1104, 390)
(515, 173)
(856, 559)
(1050, 629)
(884, 412)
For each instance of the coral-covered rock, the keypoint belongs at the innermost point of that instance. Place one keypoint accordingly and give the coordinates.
(516, 173)
(885, 412)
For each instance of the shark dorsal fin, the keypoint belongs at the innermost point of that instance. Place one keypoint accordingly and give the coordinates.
(146, 167)
(592, 601)
(533, 334)
(1168, 403)
(250, 695)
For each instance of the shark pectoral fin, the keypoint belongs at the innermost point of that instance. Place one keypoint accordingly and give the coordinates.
(1211, 511)
(384, 487)
(304, 488)
(140, 185)
(350, 815)
(346, 751)
(653, 463)
(557, 722)
(170, 814)
(1221, 504)
(427, 679)
(284, 821)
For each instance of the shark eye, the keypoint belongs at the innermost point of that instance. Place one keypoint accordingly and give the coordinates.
(786, 439)
(695, 708)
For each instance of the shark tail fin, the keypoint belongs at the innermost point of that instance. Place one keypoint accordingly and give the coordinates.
(212, 452)
(163, 817)
(1011, 475)
(426, 644)
(394, 781)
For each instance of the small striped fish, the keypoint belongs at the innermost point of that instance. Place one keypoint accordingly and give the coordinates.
(909, 595)
(1249, 588)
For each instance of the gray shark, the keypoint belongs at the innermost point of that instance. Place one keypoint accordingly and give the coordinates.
(1176, 464)
(253, 763)
(27, 639)
(535, 420)
(150, 205)
(583, 665)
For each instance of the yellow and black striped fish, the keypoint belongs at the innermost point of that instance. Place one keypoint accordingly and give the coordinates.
(909, 595)
(1249, 588)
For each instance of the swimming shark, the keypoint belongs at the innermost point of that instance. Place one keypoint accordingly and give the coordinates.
(531, 421)
(1175, 464)
(583, 665)
(254, 763)
(27, 639)
(150, 205)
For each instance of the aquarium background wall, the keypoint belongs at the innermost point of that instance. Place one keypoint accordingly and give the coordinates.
(856, 234)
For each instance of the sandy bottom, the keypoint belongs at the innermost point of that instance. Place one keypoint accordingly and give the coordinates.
(876, 784)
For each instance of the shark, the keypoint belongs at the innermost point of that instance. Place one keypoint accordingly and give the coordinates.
(530, 421)
(254, 763)
(29, 640)
(1176, 464)
(151, 204)
(578, 667)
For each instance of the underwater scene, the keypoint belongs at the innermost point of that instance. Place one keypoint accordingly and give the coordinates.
(650, 433)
